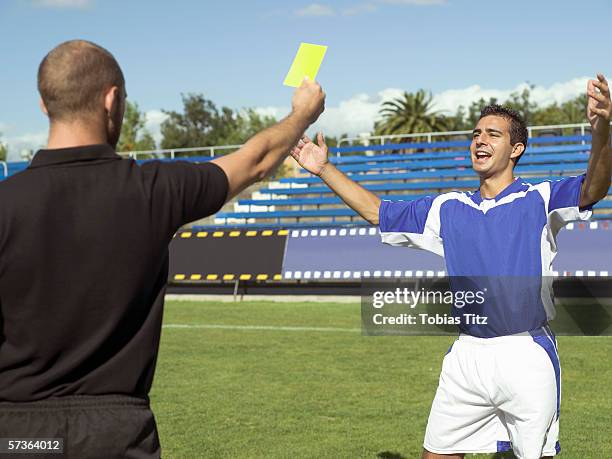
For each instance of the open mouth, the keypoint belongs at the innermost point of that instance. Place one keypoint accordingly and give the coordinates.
(481, 157)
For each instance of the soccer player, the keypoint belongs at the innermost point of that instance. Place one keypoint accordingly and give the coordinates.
(499, 388)
(84, 240)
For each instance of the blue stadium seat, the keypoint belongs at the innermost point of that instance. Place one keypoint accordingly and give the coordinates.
(440, 185)
(338, 212)
(454, 144)
(431, 155)
(395, 174)
(461, 168)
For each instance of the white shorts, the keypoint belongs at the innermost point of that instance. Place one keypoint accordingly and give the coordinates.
(497, 394)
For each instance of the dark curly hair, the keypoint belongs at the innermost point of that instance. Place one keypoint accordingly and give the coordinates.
(518, 128)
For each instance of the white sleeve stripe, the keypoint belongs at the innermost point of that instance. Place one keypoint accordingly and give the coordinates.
(414, 240)
(432, 224)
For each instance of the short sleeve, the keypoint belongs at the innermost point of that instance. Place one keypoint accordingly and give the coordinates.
(564, 202)
(184, 192)
(413, 223)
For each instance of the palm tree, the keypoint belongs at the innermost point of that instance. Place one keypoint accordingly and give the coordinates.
(411, 113)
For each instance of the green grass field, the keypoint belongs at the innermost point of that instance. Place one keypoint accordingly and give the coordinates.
(284, 390)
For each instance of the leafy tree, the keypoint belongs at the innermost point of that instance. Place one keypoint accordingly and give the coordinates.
(474, 111)
(522, 103)
(411, 113)
(3, 150)
(465, 120)
(575, 109)
(552, 114)
(245, 125)
(571, 112)
(134, 136)
(200, 124)
(146, 142)
(331, 141)
(457, 122)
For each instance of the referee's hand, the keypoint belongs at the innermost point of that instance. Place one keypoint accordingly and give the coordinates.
(308, 100)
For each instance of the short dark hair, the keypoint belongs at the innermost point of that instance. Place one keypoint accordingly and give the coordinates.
(518, 128)
(73, 78)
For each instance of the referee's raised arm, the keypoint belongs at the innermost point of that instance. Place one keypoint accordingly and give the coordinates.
(266, 150)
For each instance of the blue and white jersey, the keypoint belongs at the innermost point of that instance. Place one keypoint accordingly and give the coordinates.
(505, 245)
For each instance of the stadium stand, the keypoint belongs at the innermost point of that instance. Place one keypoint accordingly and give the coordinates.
(396, 171)
(295, 230)
(401, 171)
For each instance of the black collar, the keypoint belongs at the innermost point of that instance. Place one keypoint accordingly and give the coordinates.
(73, 155)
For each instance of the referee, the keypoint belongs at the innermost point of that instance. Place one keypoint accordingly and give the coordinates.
(84, 240)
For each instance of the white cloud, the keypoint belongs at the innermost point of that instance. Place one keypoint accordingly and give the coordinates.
(357, 114)
(316, 9)
(352, 116)
(449, 100)
(276, 112)
(360, 9)
(153, 121)
(415, 2)
(560, 92)
(78, 4)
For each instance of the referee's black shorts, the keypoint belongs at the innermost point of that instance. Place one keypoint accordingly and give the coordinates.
(92, 427)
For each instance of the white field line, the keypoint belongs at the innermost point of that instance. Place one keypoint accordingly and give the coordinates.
(298, 329)
(264, 327)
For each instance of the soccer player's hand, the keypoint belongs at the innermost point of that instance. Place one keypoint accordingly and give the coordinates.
(311, 156)
(599, 105)
(308, 100)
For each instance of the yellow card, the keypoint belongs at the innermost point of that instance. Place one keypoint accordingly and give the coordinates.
(306, 64)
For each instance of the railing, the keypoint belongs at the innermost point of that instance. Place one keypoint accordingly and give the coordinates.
(212, 151)
(584, 127)
(171, 152)
(385, 138)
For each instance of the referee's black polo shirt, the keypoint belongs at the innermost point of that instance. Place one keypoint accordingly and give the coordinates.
(84, 241)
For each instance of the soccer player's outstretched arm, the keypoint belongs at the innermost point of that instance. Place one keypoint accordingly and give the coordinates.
(314, 158)
(599, 107)
(262, 153)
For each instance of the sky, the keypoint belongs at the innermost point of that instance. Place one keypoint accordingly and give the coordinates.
(237, 53)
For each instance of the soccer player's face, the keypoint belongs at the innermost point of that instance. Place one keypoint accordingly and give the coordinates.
(491, 149)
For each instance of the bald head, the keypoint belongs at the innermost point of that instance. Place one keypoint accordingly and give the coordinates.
(74, 78)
